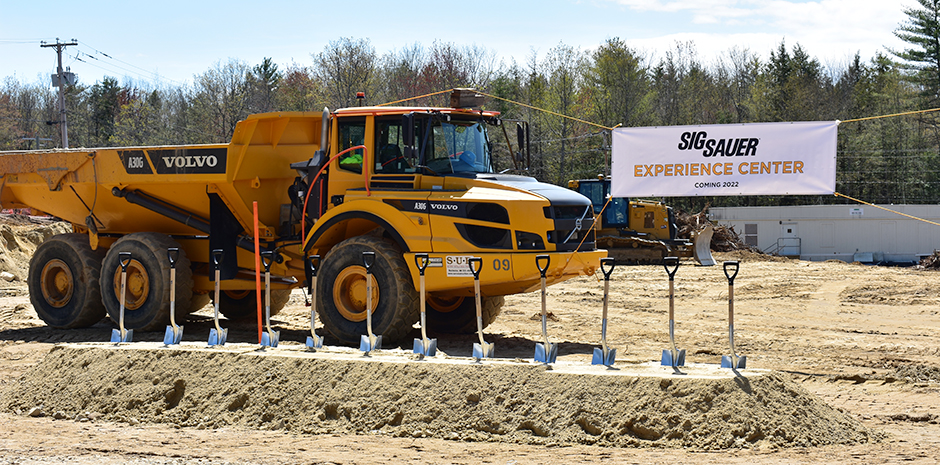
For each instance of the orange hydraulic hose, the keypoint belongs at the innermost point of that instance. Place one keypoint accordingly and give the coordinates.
(365, 176)
(257, 268)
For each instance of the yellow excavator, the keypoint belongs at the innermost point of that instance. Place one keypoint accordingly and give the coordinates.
(636, 231)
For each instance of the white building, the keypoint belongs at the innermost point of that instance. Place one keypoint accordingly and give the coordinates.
(845, 232)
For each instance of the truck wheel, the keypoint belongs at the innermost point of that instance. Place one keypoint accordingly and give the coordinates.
(199, 301)
(63, 282)
(458, 315)
(242, 304)
(147, 298)
(341, 300)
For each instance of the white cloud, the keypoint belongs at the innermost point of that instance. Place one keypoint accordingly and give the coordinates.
(828, 29)
(680, 5)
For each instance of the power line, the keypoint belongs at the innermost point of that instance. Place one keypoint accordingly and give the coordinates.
(112, 68)
(141, 72)
(21, 41)
(145, 73)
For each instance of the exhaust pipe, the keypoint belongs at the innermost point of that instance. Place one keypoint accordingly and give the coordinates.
(324, 129)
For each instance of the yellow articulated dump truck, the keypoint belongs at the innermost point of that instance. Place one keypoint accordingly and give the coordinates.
(395, 181)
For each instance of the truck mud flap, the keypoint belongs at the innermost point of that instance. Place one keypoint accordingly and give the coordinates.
(224, 230)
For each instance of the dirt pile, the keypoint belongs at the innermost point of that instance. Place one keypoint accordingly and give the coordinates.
(506, 402)
(19, 237)
(725, 238)
(931, 262)
(892, 293)
(686, 223)
(919, 373)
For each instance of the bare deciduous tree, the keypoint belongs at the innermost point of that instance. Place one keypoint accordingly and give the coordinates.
(345, 67)
(221, 98)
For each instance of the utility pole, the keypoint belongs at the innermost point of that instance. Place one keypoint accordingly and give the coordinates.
(60, 79)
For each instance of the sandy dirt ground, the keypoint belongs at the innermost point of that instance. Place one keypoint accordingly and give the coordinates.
(865, 340)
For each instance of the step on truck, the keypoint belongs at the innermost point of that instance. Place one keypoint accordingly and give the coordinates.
(395, 181)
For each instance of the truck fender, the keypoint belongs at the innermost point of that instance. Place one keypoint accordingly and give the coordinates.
(406, 234)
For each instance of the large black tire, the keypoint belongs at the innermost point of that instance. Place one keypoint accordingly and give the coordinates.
(147, 299)
(341, 291)
(199, 301)
(63, 282)
(242, 305)
(458, 315)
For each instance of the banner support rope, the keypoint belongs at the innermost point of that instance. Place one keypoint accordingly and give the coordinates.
(885, 209)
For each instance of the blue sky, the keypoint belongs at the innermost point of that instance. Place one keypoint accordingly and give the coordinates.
(179, 39)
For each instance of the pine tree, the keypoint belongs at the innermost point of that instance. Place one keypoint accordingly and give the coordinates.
(922, 30)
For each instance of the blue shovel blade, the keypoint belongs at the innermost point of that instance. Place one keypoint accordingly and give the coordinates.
(116, 336)
(480, 352)
(728, 362)
(366, 346)
(216, 338)
(600, 359)
(546, 354)
(420, 350)
(172, 337)
(669, 362)
(314, 342)
(270, 339)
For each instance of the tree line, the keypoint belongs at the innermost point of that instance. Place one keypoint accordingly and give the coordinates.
(888, 160)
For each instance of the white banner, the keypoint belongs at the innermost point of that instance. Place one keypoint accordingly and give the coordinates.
(795, 158)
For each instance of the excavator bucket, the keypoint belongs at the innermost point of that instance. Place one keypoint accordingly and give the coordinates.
(701, 247)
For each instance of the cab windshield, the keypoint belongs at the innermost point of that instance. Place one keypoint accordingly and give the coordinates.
(458, 147)
(598, 191)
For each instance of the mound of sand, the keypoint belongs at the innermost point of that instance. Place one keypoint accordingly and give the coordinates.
(451, 399)
(19, 237)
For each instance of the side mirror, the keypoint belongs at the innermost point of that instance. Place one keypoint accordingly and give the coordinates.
(522, 139)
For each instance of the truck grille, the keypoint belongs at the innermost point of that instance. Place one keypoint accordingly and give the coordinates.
(572, 224)
(558, 237)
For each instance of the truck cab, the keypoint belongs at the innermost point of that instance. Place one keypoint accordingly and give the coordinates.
(422, 181)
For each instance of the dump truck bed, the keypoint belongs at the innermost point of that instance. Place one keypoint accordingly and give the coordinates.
(255, 166)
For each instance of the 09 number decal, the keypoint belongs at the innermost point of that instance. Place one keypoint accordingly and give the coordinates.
(501, 265)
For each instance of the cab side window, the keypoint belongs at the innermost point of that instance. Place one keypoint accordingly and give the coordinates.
(389, 147)
(352, 132)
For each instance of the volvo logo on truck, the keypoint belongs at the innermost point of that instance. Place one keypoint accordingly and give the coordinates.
(175, 161)
(186, 161)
